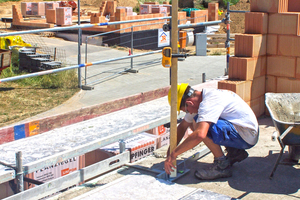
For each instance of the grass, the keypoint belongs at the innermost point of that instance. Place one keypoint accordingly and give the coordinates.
(2, 1)
(27, 97)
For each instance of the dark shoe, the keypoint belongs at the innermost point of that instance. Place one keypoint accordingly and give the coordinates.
(219, 169)
(236, 155)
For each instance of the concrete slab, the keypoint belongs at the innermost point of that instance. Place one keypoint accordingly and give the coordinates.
(138, 186)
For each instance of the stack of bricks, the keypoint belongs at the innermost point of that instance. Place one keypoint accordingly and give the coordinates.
(38, 8)
(51, 5)
(145, 9)
(120, 15)
(26, 8)
(97, 18)
(213, 11)
(168, 6)
(159, 9)
(51, 16)
(111, 7)
(198, 16)
(128, 10)
(182, 17)
(17, 15)
(182, 39)
(267, 55)
(63, 16)
(102, 8)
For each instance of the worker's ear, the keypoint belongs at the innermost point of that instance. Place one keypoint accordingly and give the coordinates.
(189, 102)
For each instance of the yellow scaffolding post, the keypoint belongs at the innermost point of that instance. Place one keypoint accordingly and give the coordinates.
(174, 72)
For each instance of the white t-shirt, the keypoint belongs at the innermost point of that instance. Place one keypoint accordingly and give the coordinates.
(225, 104)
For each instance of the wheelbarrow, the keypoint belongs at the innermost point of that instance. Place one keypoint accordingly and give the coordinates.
(284, 109)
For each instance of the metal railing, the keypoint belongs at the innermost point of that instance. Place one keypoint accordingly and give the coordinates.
(130, 56)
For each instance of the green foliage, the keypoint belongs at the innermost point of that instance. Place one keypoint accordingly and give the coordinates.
(205, 3)
(136, 9)
(223, 3)
(15, 57)
(217, 53)
(2, 1)
(201, 7)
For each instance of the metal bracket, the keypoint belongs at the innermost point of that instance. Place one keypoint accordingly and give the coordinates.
(181, 168)
(86, 87)
(132, 71)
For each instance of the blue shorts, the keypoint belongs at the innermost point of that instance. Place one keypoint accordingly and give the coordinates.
(223, 133)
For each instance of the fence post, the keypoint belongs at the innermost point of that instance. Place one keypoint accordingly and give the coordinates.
(131, 66)
(79, 43)
(227, 44)
(19, 171)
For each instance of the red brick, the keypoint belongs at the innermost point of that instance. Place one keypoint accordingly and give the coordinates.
(272, 43)
(269, 6)
(288, 85)
(284, 23)
(7, 135)
(25, 8)
(258, 87)
(288, 45)
(17, 15)
(51, 16)
(256, 23)
(182, 39)
(246, 68)
(258, 105)
(294, 6)
(198, 16)
(213, 11)
(38, 8)
(271, 84)
(250, 45)
(241, 88)
(281, 66)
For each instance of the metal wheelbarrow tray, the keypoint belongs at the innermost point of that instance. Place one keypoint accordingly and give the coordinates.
(284, 109)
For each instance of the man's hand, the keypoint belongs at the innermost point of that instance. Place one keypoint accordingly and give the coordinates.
(169, 167)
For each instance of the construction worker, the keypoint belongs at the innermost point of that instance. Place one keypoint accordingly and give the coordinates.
(221, 118)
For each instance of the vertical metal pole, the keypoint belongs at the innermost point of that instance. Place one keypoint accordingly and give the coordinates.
(131, 66)
(85, 72)
(79, 43)
(203, 78)
(174, 40)
(54, 53)
(227, 45)
(19, 171)
(122, 146)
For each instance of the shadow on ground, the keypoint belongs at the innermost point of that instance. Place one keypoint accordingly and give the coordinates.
(252, 176)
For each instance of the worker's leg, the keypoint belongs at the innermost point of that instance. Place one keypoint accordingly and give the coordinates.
(221, 167)
(214, 148)
(224, 133)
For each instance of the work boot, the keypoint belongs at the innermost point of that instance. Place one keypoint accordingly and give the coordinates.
(236, 155)
(219, 169)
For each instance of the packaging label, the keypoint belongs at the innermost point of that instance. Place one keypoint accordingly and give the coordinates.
(58, 170)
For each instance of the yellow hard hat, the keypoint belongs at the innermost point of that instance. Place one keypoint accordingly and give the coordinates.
(180, 92)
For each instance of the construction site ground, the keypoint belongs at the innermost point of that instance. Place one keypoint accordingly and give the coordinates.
(250, 178)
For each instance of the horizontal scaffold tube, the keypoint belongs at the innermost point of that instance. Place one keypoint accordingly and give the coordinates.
(74, 67)
(200, 24)
(80, 26)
